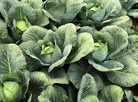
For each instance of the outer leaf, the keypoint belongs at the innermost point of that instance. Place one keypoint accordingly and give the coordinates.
(41, 19)
(4, 37)
(84, 46)
(71, 93)
(116, 21)
(135, 98)
(75, 74)
(63, 11)
(37, 84)
(90, 98)
(56, 76)
(67, 34)
(98, 79)
(128, 76)
(101, 53)
(88, 87)
(133, 13)
(129, 95)
(53, 94)
(107, 66)
(66, 52)
(34, 33)
(107, 10)
(117, 41)
(34, 3)
(21, 12)
(32, 64)
(111, 93)
(11, 58)
(5, 5)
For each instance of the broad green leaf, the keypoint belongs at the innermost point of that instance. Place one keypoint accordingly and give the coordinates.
(98, 79)
(84, 46)
(87, 29)
(11, 58)
(41, 18)
(5, 6)
(107, 10)
(21, 12)
(24, 77)
(64, 11)
(133, 13)
(130, 4)
(32, 64)
(66, 53)
(117, 41)
(43, 78)
(99, 15)
(90, 98)
(87, 87)
(36, 4)
(112, 10)
(4, 36)
(107, 66)
(1, 95)
(129, 95)
(57, 76)
(53, 94)
(111, 93)
(37, 84)
(116, 21)
(67, 34)
(34, 33)
(135, 98)
(128, 76)
(75, 74)
(72, 94)
(101, 53)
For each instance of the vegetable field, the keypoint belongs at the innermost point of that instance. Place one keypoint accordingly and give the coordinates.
(68, 50)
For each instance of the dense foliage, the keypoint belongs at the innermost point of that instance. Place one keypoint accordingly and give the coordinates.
(68, 51)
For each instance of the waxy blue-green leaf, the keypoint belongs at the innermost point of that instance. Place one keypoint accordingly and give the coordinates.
(5, 6)
(36, 4)
(90, 98)
(53, 94)
(84, 46)
(66, 53)
(133, 13)
(32, 64)
(21, 12)
(107, 10)
(41, 18)
(67, 34)
(34, 33)
(11, 58)
(107, 66)
(87, 87)
(63, 11)
(117, 40)
(128, 76)
(75, 74)
(111, 93)
(57, 76)
(101, 53)
(4, 36)
(129, 95)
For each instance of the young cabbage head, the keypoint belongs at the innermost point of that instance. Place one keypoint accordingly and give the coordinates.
(12, 91)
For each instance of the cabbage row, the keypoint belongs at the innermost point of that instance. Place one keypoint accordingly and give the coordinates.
(68, 50)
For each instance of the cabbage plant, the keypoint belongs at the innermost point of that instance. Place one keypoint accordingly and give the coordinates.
(68, 50)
